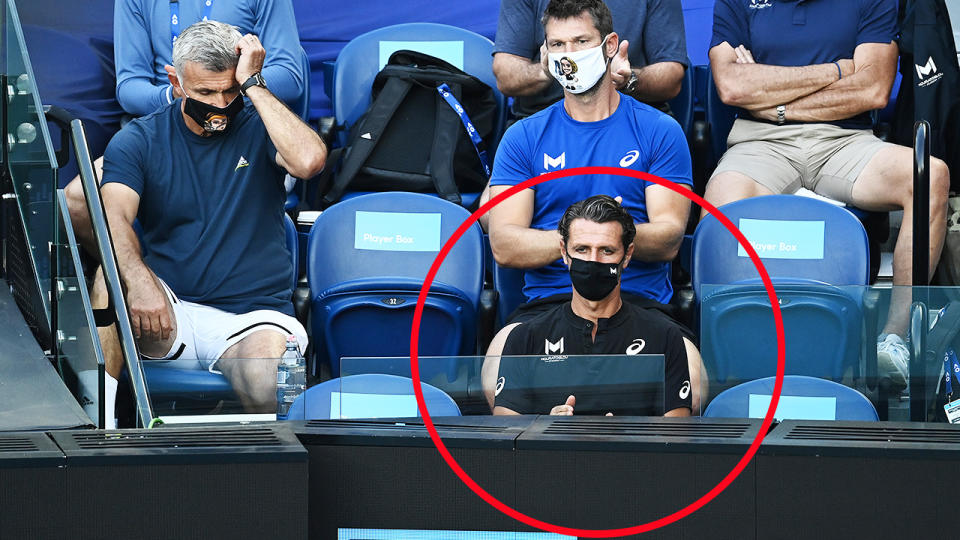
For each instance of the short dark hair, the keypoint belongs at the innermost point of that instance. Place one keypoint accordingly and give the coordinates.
(565, 9)
(599, 209)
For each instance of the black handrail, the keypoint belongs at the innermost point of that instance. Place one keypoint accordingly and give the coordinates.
(921, 267)
(111, 275)
(921, 203)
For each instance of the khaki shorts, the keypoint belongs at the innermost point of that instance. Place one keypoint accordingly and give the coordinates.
(823, 158)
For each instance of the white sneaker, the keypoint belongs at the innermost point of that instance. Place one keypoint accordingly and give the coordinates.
(893, 359)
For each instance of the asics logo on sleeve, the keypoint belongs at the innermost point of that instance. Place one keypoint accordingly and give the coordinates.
(500, 382)
(685, 390)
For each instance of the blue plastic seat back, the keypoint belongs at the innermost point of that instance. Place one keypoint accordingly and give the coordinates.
(805, 398)
(362, 58)
(832, 242)
(364, 279)
(698, 27)
(808, 247)
(821, 331)
(317, 401)
(508, 283)
(682, 104)
(720, 117)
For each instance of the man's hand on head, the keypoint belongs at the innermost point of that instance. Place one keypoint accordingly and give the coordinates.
(149, 315)
(252, 54)
(620, 69)
(566, 409)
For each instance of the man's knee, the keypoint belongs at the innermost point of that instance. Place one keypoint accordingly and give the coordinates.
(76, 201)
(730, 186)
(939, 183)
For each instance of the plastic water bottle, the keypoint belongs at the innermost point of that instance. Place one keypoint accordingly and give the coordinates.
(291, 377)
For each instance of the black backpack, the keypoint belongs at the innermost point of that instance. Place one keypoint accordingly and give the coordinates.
(412, 138)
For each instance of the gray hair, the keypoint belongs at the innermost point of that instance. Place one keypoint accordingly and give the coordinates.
(211, 44)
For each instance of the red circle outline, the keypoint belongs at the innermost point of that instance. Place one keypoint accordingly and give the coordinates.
(596, 533)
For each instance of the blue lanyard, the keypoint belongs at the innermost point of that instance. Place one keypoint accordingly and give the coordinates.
(175, 17)
(950, 365)
(444, 91)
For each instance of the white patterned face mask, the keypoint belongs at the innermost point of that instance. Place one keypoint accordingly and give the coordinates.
(578, 71)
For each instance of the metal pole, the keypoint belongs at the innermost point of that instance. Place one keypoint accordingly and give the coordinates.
(111, 274)
(921, 267)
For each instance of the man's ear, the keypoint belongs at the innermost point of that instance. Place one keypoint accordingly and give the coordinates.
(611, 45)
(563, 253)
(627, 256)
(174, 81)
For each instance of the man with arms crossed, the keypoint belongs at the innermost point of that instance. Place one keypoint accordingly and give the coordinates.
(806, 76)
(204, 176)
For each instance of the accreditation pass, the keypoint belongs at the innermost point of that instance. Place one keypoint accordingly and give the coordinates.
(953, 411)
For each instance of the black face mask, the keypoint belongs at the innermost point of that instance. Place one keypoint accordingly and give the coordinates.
(213, 120)
(594, 280)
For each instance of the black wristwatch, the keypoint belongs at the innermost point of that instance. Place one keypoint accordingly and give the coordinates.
(255, 80)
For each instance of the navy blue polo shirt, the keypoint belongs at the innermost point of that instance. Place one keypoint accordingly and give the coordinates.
(211, 208)
(804, 32)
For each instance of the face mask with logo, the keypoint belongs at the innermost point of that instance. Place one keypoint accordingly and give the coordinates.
(594, 280)
(578, 71)
(213, 120)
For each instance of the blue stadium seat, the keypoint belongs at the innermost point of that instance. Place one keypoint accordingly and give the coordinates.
(682, 105)
(361, 59)
(801, 398)
(813, 248)
(166, 382)
(508, 282)
(364, 286)
(316, 402)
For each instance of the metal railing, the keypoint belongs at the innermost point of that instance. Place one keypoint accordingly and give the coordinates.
(111, 274)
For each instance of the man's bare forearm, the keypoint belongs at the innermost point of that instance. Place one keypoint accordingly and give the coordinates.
(301, 148)
(518, 76)
(515, 246)
(761, 86)
(127, 247)
(658, 82)
(843, 99)
(657, 242)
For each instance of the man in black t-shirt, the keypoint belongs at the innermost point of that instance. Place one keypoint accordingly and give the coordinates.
(596, 243)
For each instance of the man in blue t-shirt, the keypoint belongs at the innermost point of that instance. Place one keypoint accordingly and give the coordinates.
(806, 76)
(204, 177)
(144, 32)
(648, 66)
(594, 125)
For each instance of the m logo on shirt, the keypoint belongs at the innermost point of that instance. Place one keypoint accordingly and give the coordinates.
(558, 162)
(927, 74)
(553, 348)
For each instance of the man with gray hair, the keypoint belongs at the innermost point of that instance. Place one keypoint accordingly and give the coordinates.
(204, 177)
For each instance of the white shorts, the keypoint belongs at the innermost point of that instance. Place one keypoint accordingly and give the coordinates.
(204, 333)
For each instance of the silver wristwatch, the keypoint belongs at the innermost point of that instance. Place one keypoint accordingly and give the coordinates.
(781, 114)
(631, 83)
